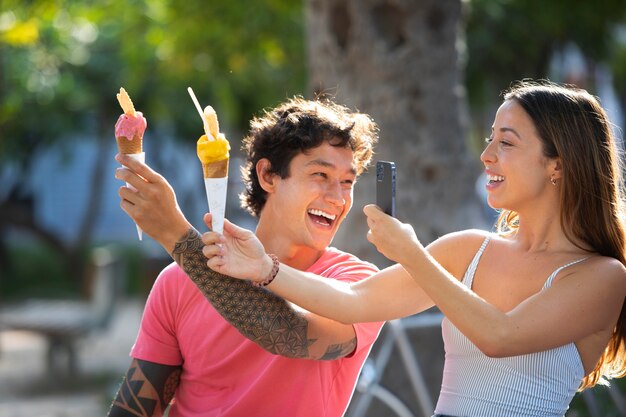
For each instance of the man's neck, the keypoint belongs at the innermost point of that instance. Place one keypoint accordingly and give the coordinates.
(296, 256)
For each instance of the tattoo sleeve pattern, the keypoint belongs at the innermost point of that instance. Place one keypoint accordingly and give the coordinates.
(146, 390)
(259, 315)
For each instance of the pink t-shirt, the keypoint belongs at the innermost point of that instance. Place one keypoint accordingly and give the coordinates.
(225, 374)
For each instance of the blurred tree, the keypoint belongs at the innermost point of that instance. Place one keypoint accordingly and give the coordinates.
(509, 40)
(398, 61)
(617, 64)
(404, 63)
(61, 64)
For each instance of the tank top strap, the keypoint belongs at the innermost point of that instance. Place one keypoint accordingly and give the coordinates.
(559, 269)
(468, 278)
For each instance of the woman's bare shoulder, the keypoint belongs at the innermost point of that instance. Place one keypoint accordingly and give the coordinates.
(464, 238)
(598, 277)
(604, 267)
(454, 251)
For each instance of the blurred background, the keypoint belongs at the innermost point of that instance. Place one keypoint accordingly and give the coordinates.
(430, 73)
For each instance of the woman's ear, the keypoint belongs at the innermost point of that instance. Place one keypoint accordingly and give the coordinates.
(557, 169)
(266, 178)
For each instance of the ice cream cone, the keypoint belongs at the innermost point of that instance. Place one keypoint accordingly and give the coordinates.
(216, 185)
(128, 146)
(141, 157)
(212, 149)
(129, 131)
(134, 149)
(217, 169)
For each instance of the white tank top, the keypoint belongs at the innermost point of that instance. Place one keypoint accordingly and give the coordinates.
(536, 384)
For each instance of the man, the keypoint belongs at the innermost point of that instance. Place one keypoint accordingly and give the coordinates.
(303, 159)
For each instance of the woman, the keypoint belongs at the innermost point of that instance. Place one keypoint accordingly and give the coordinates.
(533, 311)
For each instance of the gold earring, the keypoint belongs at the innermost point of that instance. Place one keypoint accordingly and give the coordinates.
(552, 180)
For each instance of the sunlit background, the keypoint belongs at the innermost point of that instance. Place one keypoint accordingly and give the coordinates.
(61, 64)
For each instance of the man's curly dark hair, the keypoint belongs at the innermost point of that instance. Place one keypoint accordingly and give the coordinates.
(296, 126)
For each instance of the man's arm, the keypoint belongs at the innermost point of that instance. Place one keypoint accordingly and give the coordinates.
(146, 390)
(274, 324)
(266, 319)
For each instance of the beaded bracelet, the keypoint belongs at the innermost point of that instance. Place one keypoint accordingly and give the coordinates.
(272, 274)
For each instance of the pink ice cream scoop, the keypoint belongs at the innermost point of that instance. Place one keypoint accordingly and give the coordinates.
(130, 127)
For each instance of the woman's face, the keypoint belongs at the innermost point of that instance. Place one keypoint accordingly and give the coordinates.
(518, 172)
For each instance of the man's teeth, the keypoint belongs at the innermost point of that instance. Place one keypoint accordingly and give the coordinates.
(321, 213)
(495, 178)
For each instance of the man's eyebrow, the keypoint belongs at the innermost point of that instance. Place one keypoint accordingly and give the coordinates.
(326, 164)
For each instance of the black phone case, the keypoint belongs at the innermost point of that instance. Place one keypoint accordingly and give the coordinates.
(386, 186)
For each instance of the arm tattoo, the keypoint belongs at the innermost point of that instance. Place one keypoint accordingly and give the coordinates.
(146, 390)
(258, 314)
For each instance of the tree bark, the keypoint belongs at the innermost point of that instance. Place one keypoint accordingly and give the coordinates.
(401, 62)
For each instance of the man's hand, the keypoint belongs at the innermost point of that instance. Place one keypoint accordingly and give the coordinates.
(238, 253)
(152, 204)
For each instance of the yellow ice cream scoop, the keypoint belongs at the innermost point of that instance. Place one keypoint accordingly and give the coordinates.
(216, 147)
(213, 150)
(213, 147)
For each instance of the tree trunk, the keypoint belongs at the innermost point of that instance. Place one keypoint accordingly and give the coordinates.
(400, 61)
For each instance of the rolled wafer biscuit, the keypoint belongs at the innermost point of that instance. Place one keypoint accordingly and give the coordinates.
(125, 102)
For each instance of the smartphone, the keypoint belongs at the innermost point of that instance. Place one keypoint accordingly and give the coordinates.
(386, 187)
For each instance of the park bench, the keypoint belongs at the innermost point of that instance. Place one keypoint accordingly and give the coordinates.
(64, 322)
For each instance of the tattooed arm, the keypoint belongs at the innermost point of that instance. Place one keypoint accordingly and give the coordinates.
(268, 320)
(274, 324)
(146, 390)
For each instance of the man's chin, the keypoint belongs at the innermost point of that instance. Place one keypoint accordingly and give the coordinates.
(322, 244)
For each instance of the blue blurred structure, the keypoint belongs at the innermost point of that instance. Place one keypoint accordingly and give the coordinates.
(61, 179)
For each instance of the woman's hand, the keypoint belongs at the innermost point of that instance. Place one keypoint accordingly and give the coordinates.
(237, 253)
(392, 238)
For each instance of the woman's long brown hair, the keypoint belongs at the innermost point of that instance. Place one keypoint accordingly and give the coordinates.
(573, 126)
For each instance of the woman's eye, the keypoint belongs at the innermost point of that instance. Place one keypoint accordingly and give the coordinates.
(501, 142)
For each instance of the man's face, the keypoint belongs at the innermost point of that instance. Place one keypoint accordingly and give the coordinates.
(308, 206)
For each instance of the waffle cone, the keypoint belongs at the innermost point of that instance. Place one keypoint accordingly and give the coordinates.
(129, 146)
(217, 169)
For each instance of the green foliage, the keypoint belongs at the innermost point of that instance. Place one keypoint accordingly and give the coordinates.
(35, 271)
(509, 40)
(62, 63)
(603, 399)
(618, 64)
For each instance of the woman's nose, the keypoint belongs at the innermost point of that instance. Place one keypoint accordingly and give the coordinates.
(488, 155)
